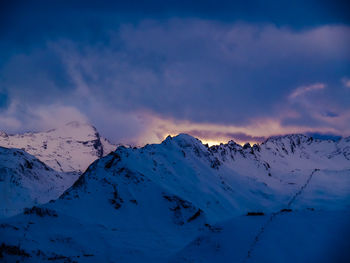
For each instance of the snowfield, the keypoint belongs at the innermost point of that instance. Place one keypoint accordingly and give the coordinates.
(26, 181)
(285, 200)
(71, 148)
(41, 166)
(299, 236)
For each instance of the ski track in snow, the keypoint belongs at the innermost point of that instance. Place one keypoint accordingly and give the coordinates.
(275, 214)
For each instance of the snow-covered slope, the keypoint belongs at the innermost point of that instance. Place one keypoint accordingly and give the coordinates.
(25, 181)
(72, 147)
(302, 236)
(153, 203)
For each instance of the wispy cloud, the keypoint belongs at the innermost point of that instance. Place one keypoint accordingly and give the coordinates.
(306, 89)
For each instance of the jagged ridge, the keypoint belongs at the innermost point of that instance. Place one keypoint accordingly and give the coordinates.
(153, 200)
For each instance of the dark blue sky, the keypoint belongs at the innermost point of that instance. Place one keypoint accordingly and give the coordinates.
(139, 70)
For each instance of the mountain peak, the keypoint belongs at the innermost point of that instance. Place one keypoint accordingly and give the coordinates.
(76, 130)
(186, 137)
(183, 140)
(68, 148)
(3, 134)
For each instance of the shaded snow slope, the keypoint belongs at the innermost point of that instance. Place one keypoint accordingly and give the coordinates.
(25, 181)
(153, 203)
(300, 236)
(69, 148)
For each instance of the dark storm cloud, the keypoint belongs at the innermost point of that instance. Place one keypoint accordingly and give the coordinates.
(207, 71)
(68, 15)
(37, 77)
(203, 62)
(27, 24)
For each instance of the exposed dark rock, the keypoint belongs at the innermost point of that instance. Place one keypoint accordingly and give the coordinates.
(286, 210)
(12, 250)
(40, 211)
(115, 159)
(197, 214)
(255, 214)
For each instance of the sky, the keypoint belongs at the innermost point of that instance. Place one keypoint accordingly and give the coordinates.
(140, 70)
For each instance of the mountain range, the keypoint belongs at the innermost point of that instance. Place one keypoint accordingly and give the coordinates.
(284, 200)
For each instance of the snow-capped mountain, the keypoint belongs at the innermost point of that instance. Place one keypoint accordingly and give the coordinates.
(63, 154)
(26, 181)
(182, 201)
(71, 148)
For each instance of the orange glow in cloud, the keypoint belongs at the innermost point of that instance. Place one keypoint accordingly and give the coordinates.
(213, 134)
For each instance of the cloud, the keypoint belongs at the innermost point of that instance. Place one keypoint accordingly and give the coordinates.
(216, 137)
(148, 78)
(346, 82)
(39, 77)
(9, 124)
(46, 117)
(306, 89)
(3, 100)
(256, 131)
(196, 69)
(331, 114)
(21, 118)
(39, 20)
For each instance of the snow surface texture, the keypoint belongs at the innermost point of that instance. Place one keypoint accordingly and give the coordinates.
(25, 181)
(181, 201)
(71, 148)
